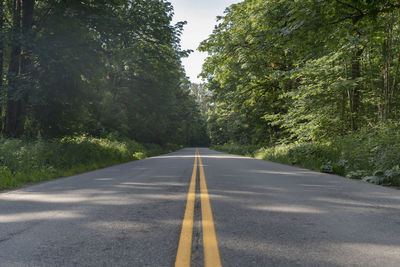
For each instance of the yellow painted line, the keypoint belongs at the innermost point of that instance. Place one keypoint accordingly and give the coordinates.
(185, 241)
(211, 252)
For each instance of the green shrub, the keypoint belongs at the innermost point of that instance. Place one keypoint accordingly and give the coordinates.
(372, 154)
(246, 150)
(139, 155)
(23, 162)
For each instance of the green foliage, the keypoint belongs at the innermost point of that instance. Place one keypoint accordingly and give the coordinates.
(286, 71)
(96, 67)
(246, 150)
(372, 155)
(316, 83)
(23, 162)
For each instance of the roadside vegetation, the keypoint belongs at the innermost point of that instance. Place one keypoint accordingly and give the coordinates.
(308, 83)
(373, 155)
(91, 70)
(24, 162)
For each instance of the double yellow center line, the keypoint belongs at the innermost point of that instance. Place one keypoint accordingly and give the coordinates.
(210, 245)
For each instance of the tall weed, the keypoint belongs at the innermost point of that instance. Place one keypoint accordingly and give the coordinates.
(24, 162)
(371, 154)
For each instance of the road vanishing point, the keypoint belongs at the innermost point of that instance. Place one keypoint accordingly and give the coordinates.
(198, 207)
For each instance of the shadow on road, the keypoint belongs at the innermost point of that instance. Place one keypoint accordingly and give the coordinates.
(273, 214)
(265, 214)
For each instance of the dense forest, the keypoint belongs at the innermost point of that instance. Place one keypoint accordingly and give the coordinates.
(95, 67)
(314, 82)
(86, 84)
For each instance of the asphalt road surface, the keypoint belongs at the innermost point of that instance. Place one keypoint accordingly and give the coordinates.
(258, 213)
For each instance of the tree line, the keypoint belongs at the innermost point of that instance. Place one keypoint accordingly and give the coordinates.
(96, 67)
(284, 71)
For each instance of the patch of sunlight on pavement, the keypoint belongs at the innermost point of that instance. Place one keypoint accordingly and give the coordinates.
(43, 198)
(289, 209)
(156, 184)
(158, 196)
(257, 247)
(317, 186)
(203, 156)
(224, 156)
(327, 252)
(115, 200)
(88, 197)
(41, 215)
(137, 187)
(118, 225)
(390, 252)
(295, 173)
(346, 202)
(172, 157)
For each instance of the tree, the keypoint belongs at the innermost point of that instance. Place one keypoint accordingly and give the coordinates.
(301, 70)
(2, 93)
(96, 67)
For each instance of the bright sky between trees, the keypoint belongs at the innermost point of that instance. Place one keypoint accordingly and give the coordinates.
(201, 18)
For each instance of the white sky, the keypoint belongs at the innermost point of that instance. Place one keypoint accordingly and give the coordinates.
(201, 19)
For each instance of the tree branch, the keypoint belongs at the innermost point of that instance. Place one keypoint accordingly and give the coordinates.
(351, 6)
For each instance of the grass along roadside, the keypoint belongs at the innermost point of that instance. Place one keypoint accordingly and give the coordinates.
(372, 156)
(25, 162)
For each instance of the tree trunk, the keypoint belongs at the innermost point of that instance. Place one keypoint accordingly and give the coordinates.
(386, 76)
(19, 69)
(26, 60)
(13, 73)
(354, 93)
(1, 62)
(386, 88)
(389, 81)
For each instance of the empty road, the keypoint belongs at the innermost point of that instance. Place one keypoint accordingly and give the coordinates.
(187, 208)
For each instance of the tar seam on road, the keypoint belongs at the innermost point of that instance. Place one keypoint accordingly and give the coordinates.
(210, 244)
